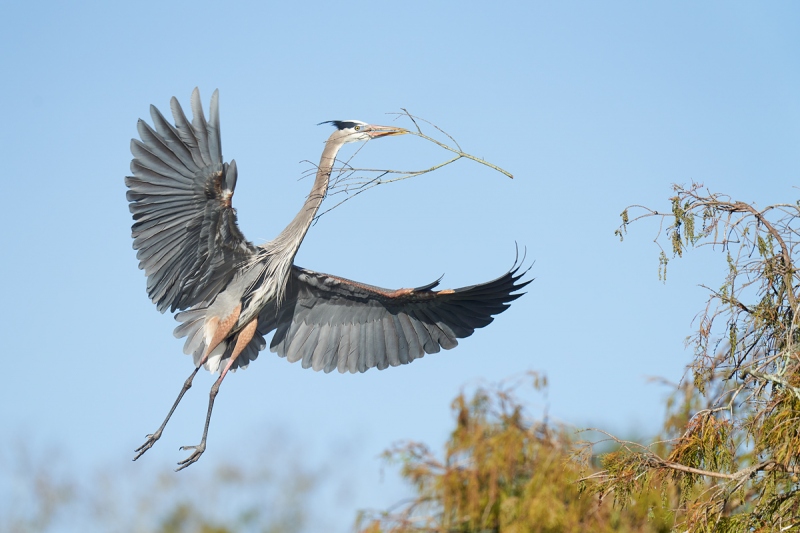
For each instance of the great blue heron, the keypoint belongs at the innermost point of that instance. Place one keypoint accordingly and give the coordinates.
(235, 293)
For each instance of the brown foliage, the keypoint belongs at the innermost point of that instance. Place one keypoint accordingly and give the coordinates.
(733, 429)
(503, 472)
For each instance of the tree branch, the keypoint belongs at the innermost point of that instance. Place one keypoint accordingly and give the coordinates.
(656, 462)
(771, 378)
(743, 207)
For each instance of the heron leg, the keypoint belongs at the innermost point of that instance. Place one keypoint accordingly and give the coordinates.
(153, 437)
(221, 329)
(243, 338)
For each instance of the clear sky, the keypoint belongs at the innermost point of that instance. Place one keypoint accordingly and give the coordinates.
(592, 106)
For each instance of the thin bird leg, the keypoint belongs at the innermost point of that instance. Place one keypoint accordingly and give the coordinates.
(221, 329)
(153, 437)
(243, 338)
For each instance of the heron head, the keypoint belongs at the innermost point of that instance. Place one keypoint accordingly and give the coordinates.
(355, 130)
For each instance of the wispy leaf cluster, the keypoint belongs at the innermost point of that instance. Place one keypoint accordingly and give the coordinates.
(502, 471)
(731, 440)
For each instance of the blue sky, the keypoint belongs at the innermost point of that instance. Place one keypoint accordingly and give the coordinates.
(592, 106)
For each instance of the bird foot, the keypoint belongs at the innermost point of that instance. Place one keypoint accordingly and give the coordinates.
(151, 439)
(198, 451)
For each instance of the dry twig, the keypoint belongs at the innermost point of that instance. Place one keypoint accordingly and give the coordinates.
(351, 181)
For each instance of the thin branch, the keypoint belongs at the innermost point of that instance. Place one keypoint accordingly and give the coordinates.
(708, 473)
(656, 462)
(463, 154)
(374, 182)
(414, 120)
(456, 150)
(771, 378)
(347, 182)
(785, 253)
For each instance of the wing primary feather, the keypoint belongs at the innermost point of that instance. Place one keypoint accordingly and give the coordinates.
(307, 349)
(172, 140)
(428, 344)
(329, 357)
(437, 330)
(390, 339)
(378, 345)
(464, 309)
(154, 155)
(296, 341)
(186, 132)
(402, 342)
(214, 140)
(344, 348)
(415, 344)
(353, 351)
(361, 356)
(370, 348)
(231, 176)
(436, 320)
(460, 326)
(200, 126)
(278, 340)
(316, 358)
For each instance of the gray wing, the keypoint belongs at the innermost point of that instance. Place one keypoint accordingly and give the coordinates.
(330, 322)
(180, 195)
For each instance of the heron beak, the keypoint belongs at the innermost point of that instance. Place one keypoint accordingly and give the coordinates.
(376, 132)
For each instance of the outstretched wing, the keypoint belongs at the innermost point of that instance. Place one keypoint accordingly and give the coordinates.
(180, 195)
(330, 322)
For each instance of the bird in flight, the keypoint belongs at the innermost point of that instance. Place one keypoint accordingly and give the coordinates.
(232, 293)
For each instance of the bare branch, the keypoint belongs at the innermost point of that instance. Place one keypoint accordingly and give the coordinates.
(352, 181)
(771, 378)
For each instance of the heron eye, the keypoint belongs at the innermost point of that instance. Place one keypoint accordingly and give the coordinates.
(358, 128)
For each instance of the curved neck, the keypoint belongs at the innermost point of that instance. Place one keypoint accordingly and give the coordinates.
(288, 241)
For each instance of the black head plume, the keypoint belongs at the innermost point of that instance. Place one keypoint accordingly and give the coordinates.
(342, 124)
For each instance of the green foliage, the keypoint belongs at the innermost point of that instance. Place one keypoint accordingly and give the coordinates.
(501, 471)
(731, 442)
